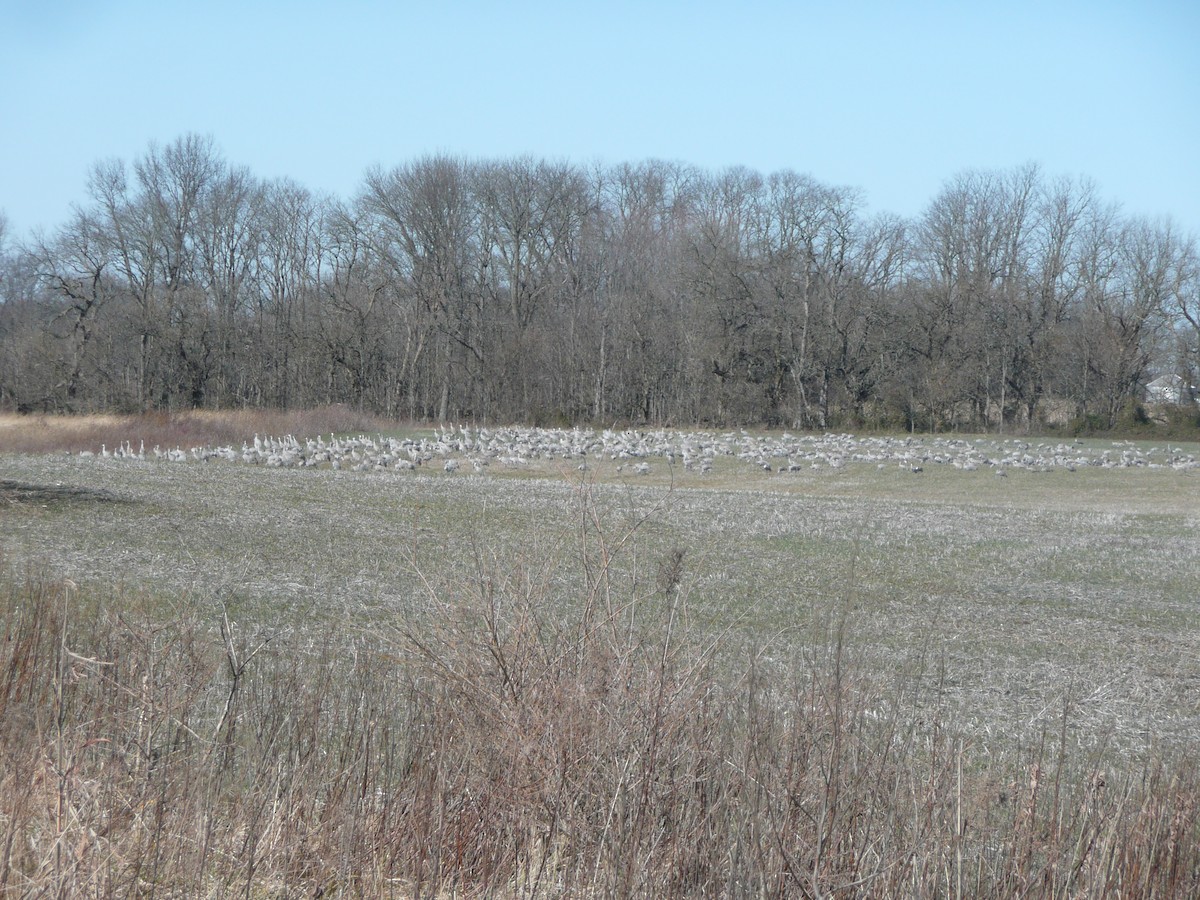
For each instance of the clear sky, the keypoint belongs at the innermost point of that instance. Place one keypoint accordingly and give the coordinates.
(893, 98)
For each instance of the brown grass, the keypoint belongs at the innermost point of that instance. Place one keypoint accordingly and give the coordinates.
(193, 428)
(506, 750)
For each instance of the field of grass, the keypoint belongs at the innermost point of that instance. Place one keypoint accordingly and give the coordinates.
(739, 682)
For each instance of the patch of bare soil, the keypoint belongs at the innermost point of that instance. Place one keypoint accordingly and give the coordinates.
(20, 493)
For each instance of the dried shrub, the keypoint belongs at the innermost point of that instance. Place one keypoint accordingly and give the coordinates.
(504, 747)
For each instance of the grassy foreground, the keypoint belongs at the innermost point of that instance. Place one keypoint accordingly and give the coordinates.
(218, 681)
(503, 753)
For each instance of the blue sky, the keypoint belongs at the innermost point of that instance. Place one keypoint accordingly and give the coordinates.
(892, 98)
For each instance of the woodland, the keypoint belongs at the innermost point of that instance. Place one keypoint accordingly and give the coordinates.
(545, 292)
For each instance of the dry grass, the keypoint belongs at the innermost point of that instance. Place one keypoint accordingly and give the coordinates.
(192, 428)
(825, 685)
(1023, 606)
(512, 752)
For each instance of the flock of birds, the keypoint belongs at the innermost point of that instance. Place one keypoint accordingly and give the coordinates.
(463, 448)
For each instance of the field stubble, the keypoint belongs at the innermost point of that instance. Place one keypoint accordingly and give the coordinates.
(1015, 596)
(1005, 637)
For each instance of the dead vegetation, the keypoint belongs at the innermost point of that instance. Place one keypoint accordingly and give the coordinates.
(561, 720)
(513, 744)
(185, 429)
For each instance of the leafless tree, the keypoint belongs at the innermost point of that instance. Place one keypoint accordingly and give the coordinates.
(523, 289)
(1185, 305)
(283, 368)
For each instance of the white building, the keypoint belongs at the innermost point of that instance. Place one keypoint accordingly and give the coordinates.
(1169, 389)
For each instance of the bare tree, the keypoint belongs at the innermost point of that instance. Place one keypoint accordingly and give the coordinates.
(285, 367)
(726, 294)
(812, 261)
(74, 268)
(228, 249)
(525, 289)
(30, 354)
(1185, 304)
(974, 253)
(151, 226)
(636, 313)
(864, 345)
(426, 231)
(1154, 277)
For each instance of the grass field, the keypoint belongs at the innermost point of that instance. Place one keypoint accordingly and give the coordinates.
(994, 625)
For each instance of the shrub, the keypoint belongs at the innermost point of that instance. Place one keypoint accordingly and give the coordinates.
(508, 748)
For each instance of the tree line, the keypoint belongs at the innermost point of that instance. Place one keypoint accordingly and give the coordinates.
(530, 290)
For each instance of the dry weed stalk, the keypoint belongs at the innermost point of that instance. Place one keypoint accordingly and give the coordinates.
(517, 744)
